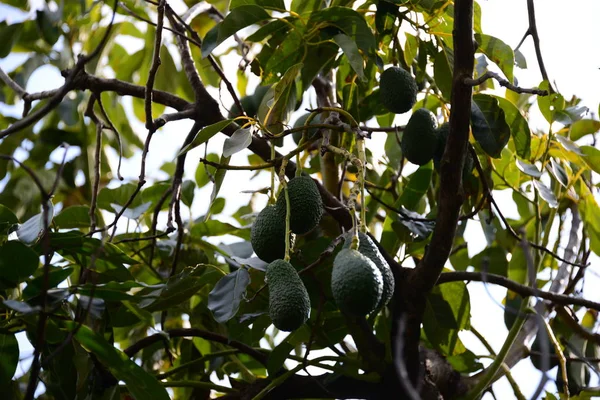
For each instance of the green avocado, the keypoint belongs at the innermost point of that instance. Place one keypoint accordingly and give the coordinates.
(537, 349)
(356, 283)
(289, 304)
(306, 206)
(300, 122)
(443, 132)
(267, 235)
(367, 247)
(420, 138)
(397, 90)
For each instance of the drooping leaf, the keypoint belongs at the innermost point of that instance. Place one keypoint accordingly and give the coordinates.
(238, 18)
(558, 172)
(546, 194)
(591, 156)
(240, 139)
(218, 181)
(350, 49)
(140, 384)
(350, 22)
(224, 299)
(34, 227)
(569, 145)
(9, 348)
(499, 52)
(528, 169)
(488, 124)
(205, 134)
(519, 128)
(442, 73)
(17, 262)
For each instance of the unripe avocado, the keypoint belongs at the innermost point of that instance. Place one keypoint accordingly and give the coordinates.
(356, 283)
(397, 90)
(367, 247)
(300, 122)
(420, 138)
(306, 206)
(289, 304)
(268, 234)
(537, 357)
(443, 132)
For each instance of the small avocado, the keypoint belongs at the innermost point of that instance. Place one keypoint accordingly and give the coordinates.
(289, 304)
(267, 234)
(367, 247)
(420, 137)
(300, 122)
(356, 283)
(306, 206)
(397, 90)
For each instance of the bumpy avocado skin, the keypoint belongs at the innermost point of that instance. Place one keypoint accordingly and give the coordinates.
(367, 247)
(442, 132)
(420, 137)
(268, 235)
(289, 304)
(397, 90)
(300, 122)
(306, 205)
(356, 283)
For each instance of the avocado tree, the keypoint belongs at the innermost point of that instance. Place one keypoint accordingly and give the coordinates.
(149, 286)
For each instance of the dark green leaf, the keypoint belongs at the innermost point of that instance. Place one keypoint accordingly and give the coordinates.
(497, 51)
(278, 357)
(271, 4)
(350, 49)
(10, 35)
(74, 217)
(202, 177)
(17, 262)
(350, 22)
(271, 28)
(442, 73)
(489, 125)
(9, 348)
(546, 194)
(205, 134)
(519, 128)
(491, 260)
(21, 306)
(55, 276)
(187, 192)
(140, 384)
(7, 219)
(224, 300)
(218, 181)
(237, 19)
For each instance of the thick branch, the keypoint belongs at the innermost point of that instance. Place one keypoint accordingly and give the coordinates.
(503, 82)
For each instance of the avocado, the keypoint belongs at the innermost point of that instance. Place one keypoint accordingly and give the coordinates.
(306, 206)
(300, 122)
(289, 304)
(512, 304)
(537, 349)
(356, 283)
(443, 132)
(397, 90)
(367, 247)
(267, 235)
(420, 137)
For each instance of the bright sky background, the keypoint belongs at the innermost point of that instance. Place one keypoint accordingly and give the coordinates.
(568, 32)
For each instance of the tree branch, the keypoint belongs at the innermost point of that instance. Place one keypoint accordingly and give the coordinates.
(503, 82)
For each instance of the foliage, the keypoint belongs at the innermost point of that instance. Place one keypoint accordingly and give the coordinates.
(124, 293)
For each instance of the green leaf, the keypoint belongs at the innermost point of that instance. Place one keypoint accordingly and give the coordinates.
(237, 19)
(350, 49)
(350, 22)
(499, 52)
(17, 263)
(528, 169)
(224, 299)
(271, 28)
(278, 357)
(417, 186)
(55, 276)
(279, 102)
(583, 127)
(140, 384)
(10, 35)
(558, 172)
(218, 181)
(7, 219)
(205, 134)
(9, 348)
(74, 217)
(551, 105)
(517, 266)
(213, 228)
(411, 47)
(519, 128)
(33, 228)
(202, 177)
(442, 73)
(491, 260)
(270, 4)
(591, 156)
(488, 124)
(569, 145)
(240, 139)
(546, 194)
(119, 196)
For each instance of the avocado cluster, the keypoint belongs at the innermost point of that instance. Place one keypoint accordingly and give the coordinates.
(397, 90)
(289, 304)
(420, 138)
(267, 235)
(367, 247)
(356, 282)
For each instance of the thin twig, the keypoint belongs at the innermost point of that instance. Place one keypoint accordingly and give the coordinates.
(503, 82)
(12, 84)
(154, 67)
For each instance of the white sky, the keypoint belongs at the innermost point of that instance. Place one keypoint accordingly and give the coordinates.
(569, 32)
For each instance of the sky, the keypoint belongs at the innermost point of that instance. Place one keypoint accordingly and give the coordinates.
(568, 31)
